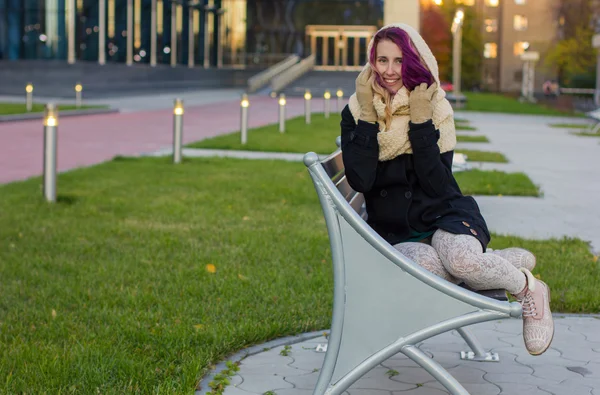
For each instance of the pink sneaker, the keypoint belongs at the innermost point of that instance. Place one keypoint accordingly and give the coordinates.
(538, 325)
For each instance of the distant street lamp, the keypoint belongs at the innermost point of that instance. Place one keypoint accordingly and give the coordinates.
(78, 89)
(29, 97)
(282, 103)
(456, 55)
(327, 96)
(307, 98)
(596, 45)
(529, 59)
(244, 104)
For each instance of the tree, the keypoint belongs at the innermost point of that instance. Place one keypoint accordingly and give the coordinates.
(435, 28)
(436, 33)
(573, 56)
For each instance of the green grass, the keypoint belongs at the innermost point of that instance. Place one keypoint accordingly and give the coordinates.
(111, 290)
(491, 102)
(479, 182)
(483, 156)
(464, 127)
(319, 137)
(569, 125)
(21, 108)
(587, 134)
(472, 139)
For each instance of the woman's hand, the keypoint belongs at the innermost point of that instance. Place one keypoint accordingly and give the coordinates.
(364, 94)
(421, 103)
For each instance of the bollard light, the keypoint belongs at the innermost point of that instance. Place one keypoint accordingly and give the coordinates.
(78, 90)
(307, 98)
(29, 97)
(244, 104)
(282, 113)
(177, 130)
(50, 136)
(327, 96)
(340, 97)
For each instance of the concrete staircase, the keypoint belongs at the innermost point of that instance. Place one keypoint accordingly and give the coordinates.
(319, 81)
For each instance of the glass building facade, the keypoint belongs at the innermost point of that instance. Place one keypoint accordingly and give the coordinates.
(214, 32)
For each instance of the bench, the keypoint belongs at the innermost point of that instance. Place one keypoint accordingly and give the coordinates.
(595, 115)
(384, 303)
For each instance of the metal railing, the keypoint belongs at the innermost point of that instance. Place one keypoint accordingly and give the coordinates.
(261, 79)
(292, 74)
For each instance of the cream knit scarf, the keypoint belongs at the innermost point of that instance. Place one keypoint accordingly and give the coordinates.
(394, 142)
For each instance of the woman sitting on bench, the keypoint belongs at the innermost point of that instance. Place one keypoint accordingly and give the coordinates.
(398, 142)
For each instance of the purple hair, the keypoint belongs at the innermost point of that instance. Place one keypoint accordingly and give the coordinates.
(414, 72)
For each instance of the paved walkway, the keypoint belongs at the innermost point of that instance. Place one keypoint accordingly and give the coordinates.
(570, 367)
(92, 139)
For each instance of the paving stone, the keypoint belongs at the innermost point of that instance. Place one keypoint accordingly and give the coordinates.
(553, 372)
(570, 389)
(467, 374)
(262, 383)
(502, 378)
(422, 390)
(230, 390)
(483, 388)
(273, 369)
(236, 380)
(578, 352)
(382, 383)
(306, 381)
(521, 388)
(368, 391)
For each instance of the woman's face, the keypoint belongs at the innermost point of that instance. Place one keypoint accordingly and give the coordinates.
(388, 63)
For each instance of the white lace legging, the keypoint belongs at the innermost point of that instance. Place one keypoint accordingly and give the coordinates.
(460, 258)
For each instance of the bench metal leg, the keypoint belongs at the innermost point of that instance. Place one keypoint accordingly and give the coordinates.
(477, 353)
(435, 369)
(596, 128)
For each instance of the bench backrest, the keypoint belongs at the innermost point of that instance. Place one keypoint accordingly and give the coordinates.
(334, 167)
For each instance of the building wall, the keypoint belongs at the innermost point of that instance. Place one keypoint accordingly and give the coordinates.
(401, 11)
(540, 34)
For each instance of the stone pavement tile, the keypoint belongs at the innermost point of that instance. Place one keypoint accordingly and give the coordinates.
(483, 388)
(297, 391)
(551, 357)
(383, 382)
(413, 376)
(502, 378)
(306, 381)
(577, 352)
(273, 369)
(422, 390)
(236, 380)
(509, 326)
(261, 383)
(553, 372)
(567, 389)
(237, 391)
(522, 388)
(368, 391)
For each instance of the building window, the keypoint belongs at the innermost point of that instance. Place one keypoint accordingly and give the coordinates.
(520, 22)
(490, 50)
(520, 2)
(518, 75)
(520, 47)
(492, 3)
(491, 25)
(466, 2)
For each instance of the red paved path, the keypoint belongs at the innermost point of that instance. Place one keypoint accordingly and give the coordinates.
(88, 140)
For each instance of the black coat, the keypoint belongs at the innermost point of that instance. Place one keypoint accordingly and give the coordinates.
(412, 192)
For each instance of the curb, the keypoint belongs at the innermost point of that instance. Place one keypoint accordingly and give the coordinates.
(61, 114)
(203, 388)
